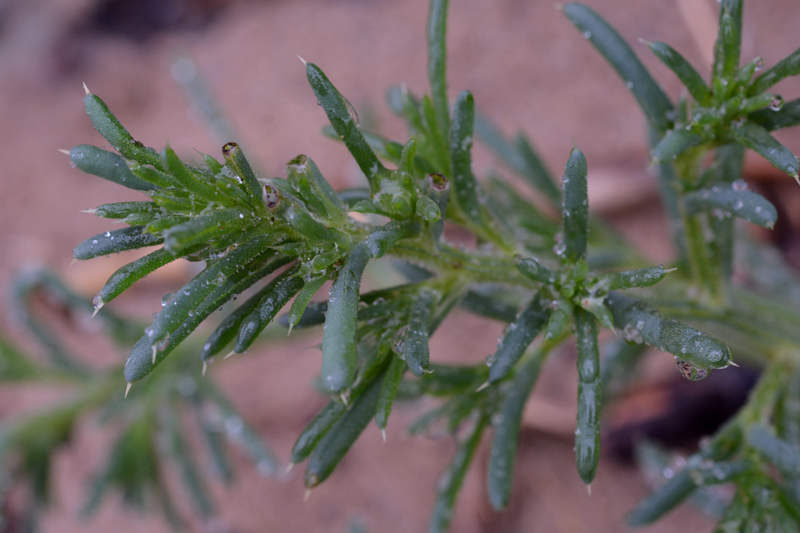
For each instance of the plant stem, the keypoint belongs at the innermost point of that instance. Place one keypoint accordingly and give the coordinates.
(480, 268)
(703, 271)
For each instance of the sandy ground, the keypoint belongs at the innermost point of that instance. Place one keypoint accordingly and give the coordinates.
(527, 67)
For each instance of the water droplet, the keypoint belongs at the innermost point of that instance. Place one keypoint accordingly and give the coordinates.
(228, 149)
(740, 185)
(776, 103)
(351, 110)
(738, 204)
(587, 35)
(629, 85)
(167, 298)
(631, 334)
(689, 371)
(162, 344)
(719, 214)
(399, 340)
(272, 197)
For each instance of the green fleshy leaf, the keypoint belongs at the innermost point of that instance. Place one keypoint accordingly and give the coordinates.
(609, 43)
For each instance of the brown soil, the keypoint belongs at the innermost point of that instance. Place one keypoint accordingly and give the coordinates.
(528, 69)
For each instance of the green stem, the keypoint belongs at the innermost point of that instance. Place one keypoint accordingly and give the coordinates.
(703, 271)
(479, 268)
(699, 253)
(760, 405)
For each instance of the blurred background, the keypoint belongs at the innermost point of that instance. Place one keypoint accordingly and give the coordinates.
(529, 69)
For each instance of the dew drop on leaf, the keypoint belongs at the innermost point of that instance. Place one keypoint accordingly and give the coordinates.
(776, 103)
(631, 334)
(689, 371)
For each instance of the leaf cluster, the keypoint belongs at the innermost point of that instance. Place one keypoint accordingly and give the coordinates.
(278, 241)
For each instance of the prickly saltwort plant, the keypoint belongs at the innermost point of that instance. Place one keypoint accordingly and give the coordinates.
(279, 240)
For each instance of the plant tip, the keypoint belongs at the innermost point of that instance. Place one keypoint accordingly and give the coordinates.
(65, 152)
(303, 60)
(85, 88)
(485, 385)
(589, 488)
(731, 363)
(289, 468)
(74, 260)
(383, 435)
(307, 495)
(128, 388)
(205, 369)
(343, 397)
(230, 354)
(97, 308)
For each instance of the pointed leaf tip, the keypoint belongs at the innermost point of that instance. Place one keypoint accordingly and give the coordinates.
(85, 88)
(303, 60)
(128, 388)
